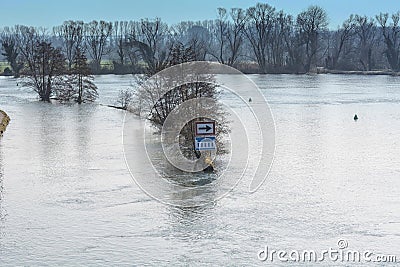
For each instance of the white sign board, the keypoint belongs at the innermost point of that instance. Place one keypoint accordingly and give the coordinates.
(205, 143)
(205, 128)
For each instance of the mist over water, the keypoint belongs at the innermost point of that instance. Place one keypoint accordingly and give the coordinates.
(66, 195)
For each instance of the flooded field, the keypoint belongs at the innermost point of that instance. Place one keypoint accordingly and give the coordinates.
(67, 197)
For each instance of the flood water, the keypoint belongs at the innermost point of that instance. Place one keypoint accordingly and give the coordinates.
(67, 197)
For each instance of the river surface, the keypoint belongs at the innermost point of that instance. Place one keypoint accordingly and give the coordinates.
(67, 197)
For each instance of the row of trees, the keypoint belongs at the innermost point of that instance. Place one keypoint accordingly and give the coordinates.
(44, 67)
(258, 39)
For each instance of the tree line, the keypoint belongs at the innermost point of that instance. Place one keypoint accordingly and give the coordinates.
(258, 39)
(32, 54)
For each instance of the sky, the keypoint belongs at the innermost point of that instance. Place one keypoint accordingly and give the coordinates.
(48, 13)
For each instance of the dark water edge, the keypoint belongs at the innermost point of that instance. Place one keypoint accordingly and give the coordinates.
(255, 70)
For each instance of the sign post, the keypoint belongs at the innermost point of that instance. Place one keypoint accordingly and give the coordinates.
(205, 128)
(205, 143)
(205, 135)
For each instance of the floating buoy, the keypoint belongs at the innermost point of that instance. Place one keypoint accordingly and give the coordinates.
(4, 120)
(356, 117)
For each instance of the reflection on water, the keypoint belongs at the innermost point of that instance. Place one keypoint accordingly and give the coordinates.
(67, 196)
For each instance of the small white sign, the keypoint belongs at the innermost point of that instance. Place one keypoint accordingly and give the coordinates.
(205, 128)
(205, 143)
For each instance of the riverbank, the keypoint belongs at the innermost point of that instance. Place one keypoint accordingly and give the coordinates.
(358, 72)
(246, 68)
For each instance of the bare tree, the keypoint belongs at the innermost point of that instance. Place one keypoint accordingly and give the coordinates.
(45, 68)
(340, 37)
(181, 30)
(220, 33)
(291, 43)
(235, 34)
(311, 22)
(199, 39)
(157, 104)
(391, 34)
(120, 36)
(258, 32)
(153, 44)
(71, 35)
(97, 36)
(125, 54)
(125, 97)
(11, 50)
(130, 51)
(281, 41)
(366, 32)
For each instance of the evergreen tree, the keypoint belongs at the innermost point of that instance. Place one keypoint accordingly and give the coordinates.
(80, 87)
